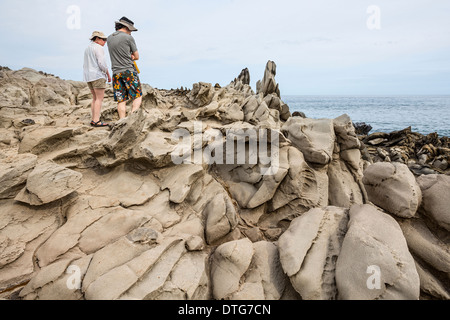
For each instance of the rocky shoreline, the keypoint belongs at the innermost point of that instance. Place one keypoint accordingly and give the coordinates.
(107, 214)
(424, 154)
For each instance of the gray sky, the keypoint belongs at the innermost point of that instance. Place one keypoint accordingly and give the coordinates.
(376, 47)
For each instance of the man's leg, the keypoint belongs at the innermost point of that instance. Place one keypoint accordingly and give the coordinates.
(100, 94)
(122, 109)
(136, 104)
(136, 91)
(120, 95)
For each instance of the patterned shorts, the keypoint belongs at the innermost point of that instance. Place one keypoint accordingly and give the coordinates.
(126, 85)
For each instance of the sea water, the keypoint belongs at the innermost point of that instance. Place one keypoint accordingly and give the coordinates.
(424, 114)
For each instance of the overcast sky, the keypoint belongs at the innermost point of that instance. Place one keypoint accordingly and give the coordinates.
(329, 47)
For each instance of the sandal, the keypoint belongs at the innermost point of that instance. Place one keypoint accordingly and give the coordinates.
(99, 124)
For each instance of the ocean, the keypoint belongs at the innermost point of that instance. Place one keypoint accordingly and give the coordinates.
(425, 114)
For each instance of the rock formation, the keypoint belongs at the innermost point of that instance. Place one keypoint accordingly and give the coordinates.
(209, 193)
(422, 154)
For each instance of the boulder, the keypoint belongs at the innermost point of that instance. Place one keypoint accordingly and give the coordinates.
(301, 183)
(221, 218)
(49, 182)
(24, 229)
(44, 139)
(180, 179)
(14, 172)
(309, 250)
(436, 202)
(344, 187)
(374, 262)
(241, 270)
(426, 245)
(314, 138)
(125, 134)
(346, 133)
(393, 187)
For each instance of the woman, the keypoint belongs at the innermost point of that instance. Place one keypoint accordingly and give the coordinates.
(95, 74)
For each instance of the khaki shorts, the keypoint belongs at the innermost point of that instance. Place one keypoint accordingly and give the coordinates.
(97, 84)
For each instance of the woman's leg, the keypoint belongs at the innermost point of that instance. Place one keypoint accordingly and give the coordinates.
(99, 94)
(94, 100)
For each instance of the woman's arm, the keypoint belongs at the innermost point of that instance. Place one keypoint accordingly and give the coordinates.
(100, 54)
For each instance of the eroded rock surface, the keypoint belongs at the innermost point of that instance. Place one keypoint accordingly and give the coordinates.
(213, 192)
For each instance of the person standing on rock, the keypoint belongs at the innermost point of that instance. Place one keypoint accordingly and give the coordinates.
(123, 52)
(96, 74)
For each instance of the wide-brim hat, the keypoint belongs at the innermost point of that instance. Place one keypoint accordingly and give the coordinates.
(98, 34)
(127, 23)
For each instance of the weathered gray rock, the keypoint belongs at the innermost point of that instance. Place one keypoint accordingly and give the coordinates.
(151, 271)
(128, 188)
(309, 250)
(221, 218)
(244, 271)
(44, 139)
(374, 262)
(59, 281)
(136, 225)
(126, 270)
(345, 133)
(155, 150)
(345, 188)
(301, 183)
(52, 91)
(268, 85)
(393, 187)
(22, 231)
(314, 138)
(436, 202)
(202, 94)
(432, 285)
(426, 245)
(14, 172)
(125, 134)
(49, 182)
(180, 179)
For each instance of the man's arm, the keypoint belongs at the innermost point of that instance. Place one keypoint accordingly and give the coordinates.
(134, 49)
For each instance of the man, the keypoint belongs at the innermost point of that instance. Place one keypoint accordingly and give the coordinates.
(123, 52)
(95, 74)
